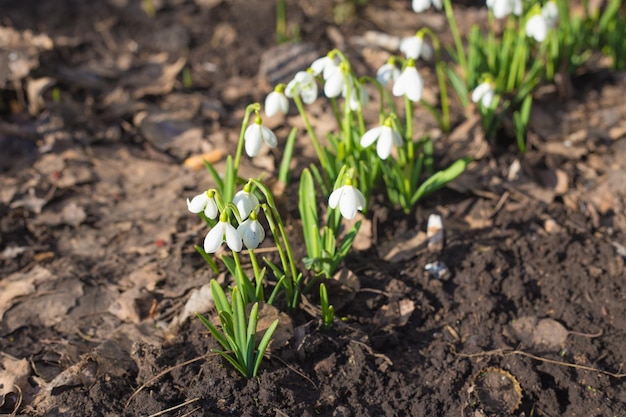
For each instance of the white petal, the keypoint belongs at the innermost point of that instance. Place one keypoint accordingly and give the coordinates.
(276, 102)
(252, 233)
(385, 142)
(370, 136)
(550, 13)
(387, 73)
(252, 139)
(411, 46)
(516, 7)
(409, 83)
(536, 28)
(487, 98)
(292, 88)
(438, 4)
(269, 137)
(309, 94)
(397, 139)
(349, 203)
(334, 84)
(214, 238)
(211, 209)
(335, 197)
(233, 240)
(480, 91)
(197, 204)
(245, 203)
(420, 5)
(360, 200)
(319, 64)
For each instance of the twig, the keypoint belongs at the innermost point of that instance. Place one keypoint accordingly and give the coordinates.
(538, 358)
(296, 371)
(165, 372)
(167, 410)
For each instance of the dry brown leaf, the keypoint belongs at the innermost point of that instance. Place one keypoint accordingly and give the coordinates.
(20, 284)
(284, 332)
(13, 380)
(196, 162)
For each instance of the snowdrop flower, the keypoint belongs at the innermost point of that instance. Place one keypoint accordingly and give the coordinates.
(223, 231)
(386, 137)
(336, 82)
(255, 135)
(414, 47)
(251, 232)
(410, 83)
(204, 202)
(358, 95)
(503, 8)
(348, 198)
(484, 94)
(303, 85)
(538, 25)
(421, 5)
(388, 72)
(325, 65)
(245, 201)
(276, 102)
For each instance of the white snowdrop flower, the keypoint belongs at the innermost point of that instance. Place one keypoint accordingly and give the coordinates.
(245, 201)
(255, 135)
(421, 5)
(385, 136)
(484, 94)
(335, 82)
(348, 198)
(503, 8)
(410, 83)
(251, 231)
(415, 47)
(204, 202)
(276, 102)
(358, 95)
(223, 231)
(303, 85)
(325, 65)
(550, 13)
(538, 25)
(387, 73)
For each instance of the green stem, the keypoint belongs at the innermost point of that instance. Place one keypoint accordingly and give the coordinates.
(255, 107)
(460, 51)
(309, 128)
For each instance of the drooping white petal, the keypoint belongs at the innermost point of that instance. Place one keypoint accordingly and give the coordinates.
(214, 238)
(276, 102)
(252, 233)
(233, 240)
(420, 5)
(198, 203)
(334, 83)
(536, 28)
(335, 197)
(550, 13)
(437, 3)
(397, 139)
(516, 7)
(410, 84)
(211, 210)
(252, 139)
(412, 46)
(385, 143)
(245, 203)
(351, 201)
(484, 94)
(370, 136)
(304, 85)
(269, 137)
(387, 73)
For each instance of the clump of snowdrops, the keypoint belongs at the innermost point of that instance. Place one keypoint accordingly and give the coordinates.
(527, 43)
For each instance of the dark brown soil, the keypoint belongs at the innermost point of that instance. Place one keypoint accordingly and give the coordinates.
(96, 245)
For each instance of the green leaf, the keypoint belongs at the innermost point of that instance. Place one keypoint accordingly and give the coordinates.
(216, 177)
(207, 258)
(439, 179)
(307, 206)
(283, 173)
(459, 86)
(263, 346)
(221, 303)
(214, 331)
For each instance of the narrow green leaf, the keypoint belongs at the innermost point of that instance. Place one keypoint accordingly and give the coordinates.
(221, 303)
(214, 331)
(216, 177)
(290, 145)
(263, 346)
(439, 179)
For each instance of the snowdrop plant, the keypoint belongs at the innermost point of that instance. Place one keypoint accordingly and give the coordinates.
(238, 331)
(324, 250)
